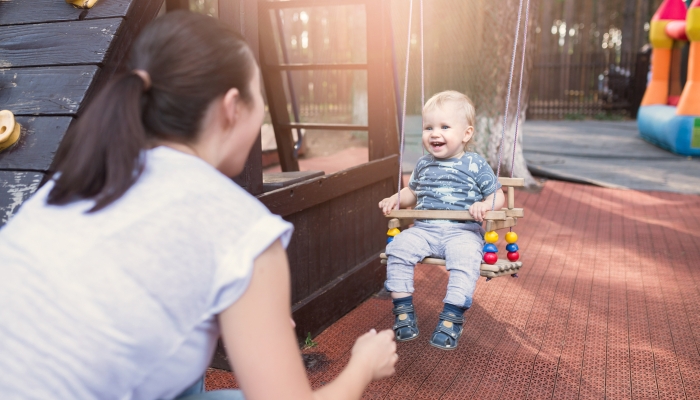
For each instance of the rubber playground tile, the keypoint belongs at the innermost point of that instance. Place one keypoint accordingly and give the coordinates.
(605, 307)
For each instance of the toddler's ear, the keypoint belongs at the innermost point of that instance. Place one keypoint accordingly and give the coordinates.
(468, 134)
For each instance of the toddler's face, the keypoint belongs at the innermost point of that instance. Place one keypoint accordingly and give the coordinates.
(445, 131)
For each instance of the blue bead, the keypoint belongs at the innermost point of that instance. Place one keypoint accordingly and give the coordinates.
(389, 239)
(490, 248)
(512, 247)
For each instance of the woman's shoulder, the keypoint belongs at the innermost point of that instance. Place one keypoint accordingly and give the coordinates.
(189, 182)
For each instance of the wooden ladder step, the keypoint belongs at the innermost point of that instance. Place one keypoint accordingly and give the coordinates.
(330, 127)
(314, 67)
(276, 5)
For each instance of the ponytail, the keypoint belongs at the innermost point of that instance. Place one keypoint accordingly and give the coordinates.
(189, 60)
(100, 156)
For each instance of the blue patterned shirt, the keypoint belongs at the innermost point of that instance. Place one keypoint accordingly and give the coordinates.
(452, 184)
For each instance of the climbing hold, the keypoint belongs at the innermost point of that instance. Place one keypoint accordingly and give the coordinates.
(490, 248)
(512, 247)
(389, 239)
(491, 237)
(511, 237)
(513, 256)
(393, 232)
(490, 258)
(9, 129)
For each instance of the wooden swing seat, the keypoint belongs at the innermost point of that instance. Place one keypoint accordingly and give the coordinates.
(505, 218)
(500, 268)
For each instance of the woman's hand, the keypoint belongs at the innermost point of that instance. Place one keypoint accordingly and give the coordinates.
(378, 352)
(388, 204)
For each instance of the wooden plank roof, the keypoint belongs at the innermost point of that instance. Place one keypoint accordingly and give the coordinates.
(53, 58)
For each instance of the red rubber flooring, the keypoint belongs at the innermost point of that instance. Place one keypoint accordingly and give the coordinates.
(607, 306)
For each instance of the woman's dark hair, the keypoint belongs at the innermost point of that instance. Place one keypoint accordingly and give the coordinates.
(192, 60)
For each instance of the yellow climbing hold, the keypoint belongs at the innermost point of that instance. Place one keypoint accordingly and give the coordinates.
(491, 237)
(511, 237)
(82, 3)
(9, 129)
(393, 232)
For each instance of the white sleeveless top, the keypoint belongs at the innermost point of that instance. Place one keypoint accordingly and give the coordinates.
(122, 303)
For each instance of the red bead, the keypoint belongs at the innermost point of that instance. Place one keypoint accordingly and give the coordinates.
(513, 255)
(490, 258)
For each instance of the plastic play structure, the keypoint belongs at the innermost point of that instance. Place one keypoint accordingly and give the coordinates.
(669, 116)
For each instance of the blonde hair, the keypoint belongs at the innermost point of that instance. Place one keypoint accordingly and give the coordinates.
(462, 101)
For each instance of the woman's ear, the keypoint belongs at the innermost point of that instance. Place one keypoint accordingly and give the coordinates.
(231, 106)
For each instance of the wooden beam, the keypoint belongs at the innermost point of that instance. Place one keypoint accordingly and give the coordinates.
(274, 89)
(314, 67)
(269, 5)
(59, 43)
(444, 214)
(37, 145)
(46, 91)
(495, 225)
(514, 212)
(394, 223)
(382, 116)
(309, 193)
(15, 188)
(328, 127)
(518, 182)
(17, 12)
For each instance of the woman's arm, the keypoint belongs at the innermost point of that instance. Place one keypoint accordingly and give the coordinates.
(263, 350)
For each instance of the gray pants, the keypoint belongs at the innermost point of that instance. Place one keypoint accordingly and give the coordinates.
(460, 244)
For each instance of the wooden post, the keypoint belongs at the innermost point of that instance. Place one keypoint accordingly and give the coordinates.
(242, 15)
(383, 138)
(276, 99)
(511, 198)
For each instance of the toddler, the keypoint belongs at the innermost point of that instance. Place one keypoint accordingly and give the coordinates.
(449, 178)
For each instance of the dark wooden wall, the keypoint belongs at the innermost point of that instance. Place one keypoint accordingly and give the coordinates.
(339, 233)
(53, 57)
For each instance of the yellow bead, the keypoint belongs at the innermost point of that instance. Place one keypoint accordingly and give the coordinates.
(511, 237)
(491, 237)
(393, 232)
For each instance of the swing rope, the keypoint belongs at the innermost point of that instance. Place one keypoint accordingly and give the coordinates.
(510, 83)
(422, 68)
(403, 113)
(520, 88)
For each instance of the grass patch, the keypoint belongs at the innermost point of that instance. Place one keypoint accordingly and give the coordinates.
(309, 342)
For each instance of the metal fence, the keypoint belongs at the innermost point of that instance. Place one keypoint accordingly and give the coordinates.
(586, 85)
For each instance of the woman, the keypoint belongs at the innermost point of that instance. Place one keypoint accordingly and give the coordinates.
(120, 273)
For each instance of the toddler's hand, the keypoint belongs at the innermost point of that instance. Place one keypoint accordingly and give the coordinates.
(388, 204)
(478, 210)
